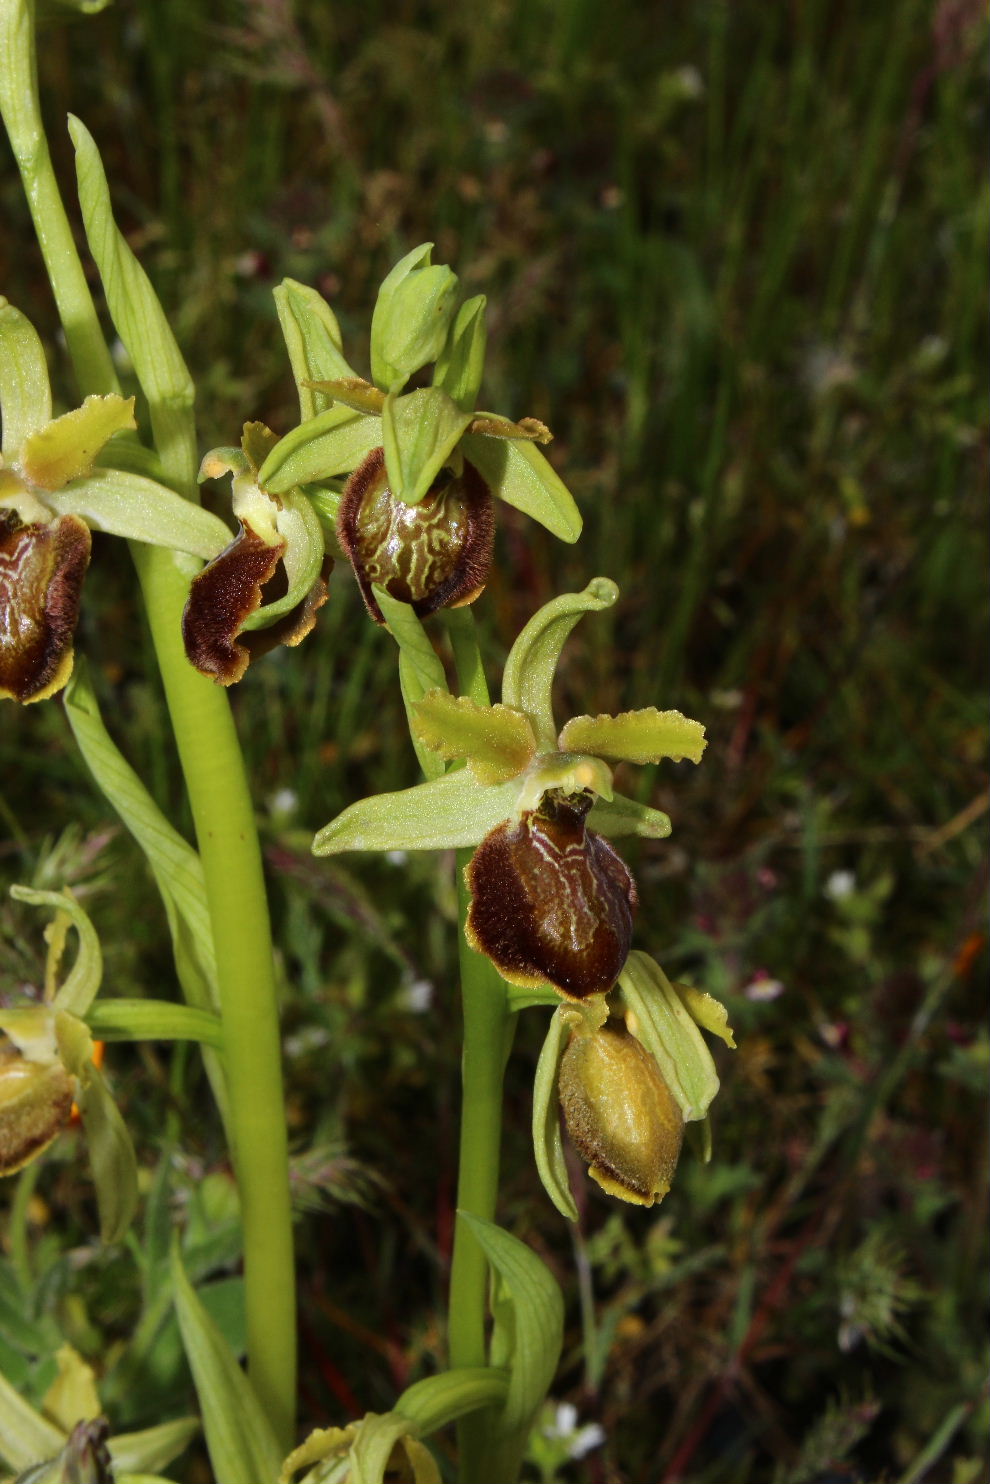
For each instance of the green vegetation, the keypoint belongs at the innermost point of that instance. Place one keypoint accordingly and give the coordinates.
(735, 258)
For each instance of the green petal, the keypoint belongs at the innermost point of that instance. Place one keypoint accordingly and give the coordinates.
(313, 340)
(78, 989)
(460, 365)
(548, 1145)
(636, 736)
(420, 432)
(667, 1030)
(142, 510)
(299, 526)
(334, 442)
(497, 742)
(518, 473)
(445, 813)
(708, 1012)
(411, 317)
(527, 683)
(25, 395)
(621, 816)
(66, 448)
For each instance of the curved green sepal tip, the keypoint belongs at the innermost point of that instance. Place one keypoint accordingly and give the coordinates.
(527, 682)
(80, 985)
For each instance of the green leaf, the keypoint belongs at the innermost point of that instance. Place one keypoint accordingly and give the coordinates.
(142, 510)
(334, 442)
(461, 363)
(299, 524)
(527, 682)
(411, 318)
(78, 989)
(519, 474)
(152, 1448)
(25, 394)
(529, 1322)
(111, 1155)
(154, 1020)
(241, 1444)
(419, 432)
(497, 742)
(434, 1402)
(66, 448)
(138, 316)
(445, 813)
(670, 1035)
(372, 1449)
(643, 736)
(25, 1435)
(621, 816)
(420, 669)
(313, 340)
(548, 1145)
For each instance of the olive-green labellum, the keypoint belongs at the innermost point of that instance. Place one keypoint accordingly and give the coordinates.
(551, 901)
(35, 1103)
(433, 555)
(620, 1114)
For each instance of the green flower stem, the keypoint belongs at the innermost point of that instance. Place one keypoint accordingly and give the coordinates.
(488, 1028)
(228, 844)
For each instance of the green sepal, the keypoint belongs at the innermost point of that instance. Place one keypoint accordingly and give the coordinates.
(643, 736)
(25, 393)
(438, 1400)
(420, 669)
(65, 448)
(461, 363)
(154, 1020)
(516, 472)
(528, 1330)
(78, 989)
(240, 1441)
(670, 1035)
(141, 510)
(620, 816)
(548, 1145)
(527, 682)
(411, 318)
(420, 432)
(152, 1448)
(138, 316)
(497, 742)
(333, 442)
(299, 525)
(708, 1012)
(111, 1153)
(313, 340)
(445, 813)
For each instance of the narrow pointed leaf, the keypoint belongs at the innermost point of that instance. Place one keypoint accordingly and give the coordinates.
(497, 742)
(527, 683)
(519, 474)
(142, 510)
(65, 448)
(461, 363)
(621, 816)
(25, 395)
(153, 1020)
(420, 669)
(435, 1402)
(664, 1026)
(643, 736)
(548, 1145)
(313, 340)
(25, 1435)
(80, 985)
(138, 316)
(241, 1444)
(111, 1155)
(419, 432)
(153, 1448)
(445, 813)
(332, 443)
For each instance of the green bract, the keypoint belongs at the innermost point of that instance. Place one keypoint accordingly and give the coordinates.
(424, 430)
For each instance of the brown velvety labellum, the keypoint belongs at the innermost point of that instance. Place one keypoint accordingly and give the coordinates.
(42, 567)
(551, 901)
(221, 597)
(436, 554)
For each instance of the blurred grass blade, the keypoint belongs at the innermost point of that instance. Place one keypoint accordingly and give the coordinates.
(241, 1444)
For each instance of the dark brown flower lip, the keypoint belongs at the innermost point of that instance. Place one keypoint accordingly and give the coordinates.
(433, 555)
(551, 901)
(227, 591)
(42, 567)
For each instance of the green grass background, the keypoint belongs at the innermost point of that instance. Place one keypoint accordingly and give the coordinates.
(734, 256)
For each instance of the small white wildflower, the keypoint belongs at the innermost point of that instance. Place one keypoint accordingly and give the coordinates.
(840, 884)
(419, 995)
(762, 988)
(396, 857)
(283, 802)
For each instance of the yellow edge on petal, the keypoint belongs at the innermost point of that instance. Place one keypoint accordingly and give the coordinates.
(65, 448)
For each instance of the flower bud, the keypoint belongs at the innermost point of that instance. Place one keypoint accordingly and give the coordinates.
(436, 554)
(620, 1114)
(551, 901)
